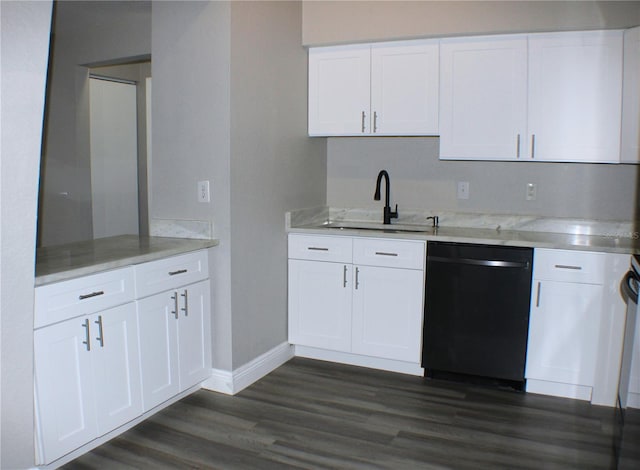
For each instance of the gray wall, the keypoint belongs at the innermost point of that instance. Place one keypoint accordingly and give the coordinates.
(238, 119)
(352, 21)
(419, 179)
(86, 33)
(275, 167)
(24, 44)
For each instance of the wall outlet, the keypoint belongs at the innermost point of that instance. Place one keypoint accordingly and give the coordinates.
(463, 190)
(532, 190)
(203, 191)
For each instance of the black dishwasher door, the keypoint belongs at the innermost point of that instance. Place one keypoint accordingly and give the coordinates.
(477, 312)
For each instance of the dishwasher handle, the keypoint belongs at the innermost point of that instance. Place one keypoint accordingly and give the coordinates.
(481, 262)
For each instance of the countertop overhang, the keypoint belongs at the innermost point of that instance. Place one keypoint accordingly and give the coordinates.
(535, 232)
(63, 262)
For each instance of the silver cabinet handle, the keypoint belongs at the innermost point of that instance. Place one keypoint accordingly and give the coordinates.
(93, 294)
(518, 147)
(533, 145)
(344, 276)
(383, 253)
(568, 266)
(363, 116)
(317, 248)
(179, 271)
(357, 278)
(100, 336)
(538, 294)
(186, 303)
(87, 340)
(174, 297)
(375, 122)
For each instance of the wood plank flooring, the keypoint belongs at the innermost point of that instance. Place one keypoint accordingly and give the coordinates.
(313, 414)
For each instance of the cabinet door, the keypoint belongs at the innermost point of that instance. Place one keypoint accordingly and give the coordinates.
(339, 90)
(194, 334)
(64, 389)
(320, 304)
(387, 313)
(158, 339)
(630, 151)
(116, 367)
(404, 88)
(575, 96)
(563, 332)
(483, 98)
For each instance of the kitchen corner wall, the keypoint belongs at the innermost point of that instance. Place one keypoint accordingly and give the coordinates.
(419, 180)
(229, 106)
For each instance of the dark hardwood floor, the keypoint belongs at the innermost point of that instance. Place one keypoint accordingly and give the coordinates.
(312, 414)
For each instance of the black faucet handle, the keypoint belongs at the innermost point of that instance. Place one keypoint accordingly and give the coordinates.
(394, 214)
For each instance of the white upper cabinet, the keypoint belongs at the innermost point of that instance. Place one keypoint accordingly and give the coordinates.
(483, 97)
(381, 89)
(536, 97)
(630, 151)
(575, 96)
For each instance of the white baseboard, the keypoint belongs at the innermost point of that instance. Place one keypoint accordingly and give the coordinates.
(634, 400)
(556, 389)
(230, 383)
(358, 360)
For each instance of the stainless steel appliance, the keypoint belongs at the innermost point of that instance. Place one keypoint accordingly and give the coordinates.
(477, 312)
(629, 287)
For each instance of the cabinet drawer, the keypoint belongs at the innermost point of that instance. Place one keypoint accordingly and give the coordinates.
(389, 253)
(170, 273)
(569, 266)
(63, 300)
(320, 248)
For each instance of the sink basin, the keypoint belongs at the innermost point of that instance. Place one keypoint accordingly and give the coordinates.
(395, 228)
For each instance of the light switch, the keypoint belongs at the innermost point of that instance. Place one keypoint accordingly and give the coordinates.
(463, 190)
(203, 191)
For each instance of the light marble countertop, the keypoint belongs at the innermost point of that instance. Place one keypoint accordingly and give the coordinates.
(513, 230)
(62, 262)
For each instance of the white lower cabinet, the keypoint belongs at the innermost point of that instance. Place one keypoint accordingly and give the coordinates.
(320, 304)
(87, 378)
(575, 325)
(387, 313)
(102, 359)
(174, 344)
(357, 295)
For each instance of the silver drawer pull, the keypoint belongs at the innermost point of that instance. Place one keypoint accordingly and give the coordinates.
(179, 271)
(567, 266)
(174, 297)
(185, 309)
(382, 253)
(87, 341)
(93, 294)
(316, 248)
(100, 336)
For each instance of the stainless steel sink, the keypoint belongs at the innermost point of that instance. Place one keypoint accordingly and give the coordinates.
(394, 228)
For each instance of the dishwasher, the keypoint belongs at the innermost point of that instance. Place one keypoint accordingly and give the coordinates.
(476, 315)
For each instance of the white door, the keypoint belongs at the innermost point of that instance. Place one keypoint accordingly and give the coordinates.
(387, 313)
(64, 386)
(158, 339)
(194, 329)
(563, 332)
(114, 158)
(575, 96)
(404, 88)
(339, 90)
(116, 367)
(483, 98)
(320, 304)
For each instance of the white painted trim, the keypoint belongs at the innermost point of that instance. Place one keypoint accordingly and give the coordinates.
(634, 400)
(361, 361)
(231, 383)
(556, 389)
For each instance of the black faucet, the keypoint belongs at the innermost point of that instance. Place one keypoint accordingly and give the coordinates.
(388, 214)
